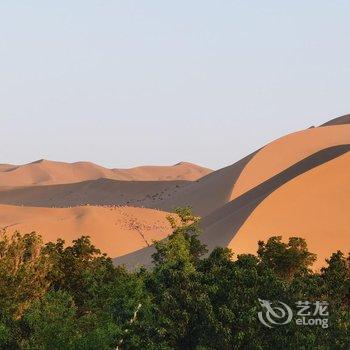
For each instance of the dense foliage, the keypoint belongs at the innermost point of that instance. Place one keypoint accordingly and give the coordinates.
(55, 296)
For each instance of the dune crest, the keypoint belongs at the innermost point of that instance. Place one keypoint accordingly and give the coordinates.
(314, 206)
(344, 119)
(221, 226)
(286, 151)
(296, 185)
(45, 172)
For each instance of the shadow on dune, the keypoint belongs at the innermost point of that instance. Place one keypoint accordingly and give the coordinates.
(344, 119)
(93, 192)
(221, 226)
(228, 219)
(211, 191)
(164, 195)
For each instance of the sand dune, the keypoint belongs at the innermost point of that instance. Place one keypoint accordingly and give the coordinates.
(114, 230)
(286, 151)
(228, 219)
(314, 206)
(6, 167)
(345, 119)
(279, 190)
(210, 192)
(44, 172)
(150, 194)
(221, 225)
(180, 171)
(204, 195)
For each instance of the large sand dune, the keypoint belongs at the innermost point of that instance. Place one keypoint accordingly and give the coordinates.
(228, 220)
(314, 206)
(221, 225)
(278, 190)
(286, 151)
(114, 230)
(44, 172)
(204, 195)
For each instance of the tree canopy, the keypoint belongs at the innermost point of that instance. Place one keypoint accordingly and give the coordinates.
(59, 296)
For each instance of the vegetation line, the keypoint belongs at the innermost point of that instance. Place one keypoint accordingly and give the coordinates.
(55, 296)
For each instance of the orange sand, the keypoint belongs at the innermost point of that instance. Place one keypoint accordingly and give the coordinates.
(314, 206)
(284, 152)
(44, 172)
(114, 230)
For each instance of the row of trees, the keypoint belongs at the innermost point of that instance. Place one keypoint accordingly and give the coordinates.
(55, 296)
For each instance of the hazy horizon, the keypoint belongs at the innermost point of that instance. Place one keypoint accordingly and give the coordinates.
(124, 84)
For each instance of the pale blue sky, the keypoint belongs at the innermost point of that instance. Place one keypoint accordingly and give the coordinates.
(125, 83)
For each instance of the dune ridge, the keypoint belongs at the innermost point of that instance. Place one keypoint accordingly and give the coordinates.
(220, 227)
(344, 119)
(165, 195)
(298, 209)
(210, 192)
(45, 172)
(125, 209)
(228, 219)
(286, 151)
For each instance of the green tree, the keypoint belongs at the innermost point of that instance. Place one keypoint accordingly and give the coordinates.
(81, 270)
(23, 272)
(72, 297)
(286, 259)
(175, 292)
(336, 277)
(52, 323)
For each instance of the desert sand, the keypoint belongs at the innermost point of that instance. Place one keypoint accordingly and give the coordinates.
(297, 185)
(114, 230)
(150, 194)
(286, 151)
(314, 206)
(45, 172)
(210, 192)
(221, 226)
(344, 119)
(204, 195)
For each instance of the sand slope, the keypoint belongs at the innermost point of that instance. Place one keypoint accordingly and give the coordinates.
(286, 151)
(220, 226)
(150, 194)
(297, 185)
(180, 171)
(114, 230)
(204, 195)
(345, 119)
(44, 172)
(6, 167)
(314, 206)
(208, 193)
